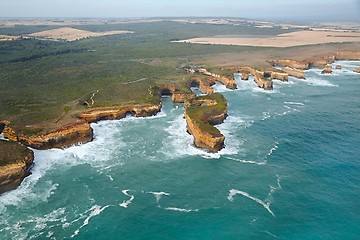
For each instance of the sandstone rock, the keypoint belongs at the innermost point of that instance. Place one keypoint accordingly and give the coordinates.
(245, 76)
(338, 67)
(290, 63)
(15, 162)
(294, 72)
(280, 76)
(327, 70)
(79, 132)
(200, 114)
(357, 70)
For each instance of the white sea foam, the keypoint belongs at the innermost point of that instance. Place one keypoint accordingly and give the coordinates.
(181, 209)
(315, 81)
(266, 204)
(234, 192)
(94, 211)
(126, 203)
(247, 161)
(294, 103)
(274, 148)
(2, 137)
(158, 195)
(182, 144)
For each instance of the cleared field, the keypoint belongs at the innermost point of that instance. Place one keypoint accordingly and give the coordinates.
(72, 34)
(299, 38)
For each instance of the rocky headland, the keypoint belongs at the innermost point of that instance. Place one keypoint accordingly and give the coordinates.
(201, 113)
(15, 162)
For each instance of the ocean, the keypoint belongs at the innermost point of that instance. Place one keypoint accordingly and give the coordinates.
(290, 170)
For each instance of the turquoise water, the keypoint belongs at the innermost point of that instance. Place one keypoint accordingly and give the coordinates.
(290, 170)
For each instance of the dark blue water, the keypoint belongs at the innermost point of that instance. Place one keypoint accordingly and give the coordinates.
(290, 170)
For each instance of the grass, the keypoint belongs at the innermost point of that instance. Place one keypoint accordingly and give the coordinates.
(201, 114)
(12, 152)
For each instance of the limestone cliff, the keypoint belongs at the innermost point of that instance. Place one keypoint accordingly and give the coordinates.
(279, 76)
(15, 162)
(177, 96)
(79, 132)
(200, 114)
(290, 63)
(294, 72)
(245, 76)
(262, 82)
(113, 113)
(229, 83)
(347, 55)
(327, 70)
(204, 86)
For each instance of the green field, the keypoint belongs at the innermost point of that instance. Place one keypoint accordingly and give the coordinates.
(44, 83)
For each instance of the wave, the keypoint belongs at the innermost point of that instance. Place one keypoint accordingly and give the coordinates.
(266, 204)
(158, 195)
(181, 209)
(94, 211)
(180, 143)
(294, 103)
(126, 203)
(247, 161)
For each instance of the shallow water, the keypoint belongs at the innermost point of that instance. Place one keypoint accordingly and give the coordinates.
(290, 170)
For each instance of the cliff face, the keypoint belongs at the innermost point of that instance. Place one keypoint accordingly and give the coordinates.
(280, 76)
(295, 72)
(245, 76)
(180, 97)
(17, 159)
(229, 83)
(204, 86)
(266, 84)
(120, 112)
(290, 63)
(347, 55)
(327, 70)
(79, 132)
(200, 114)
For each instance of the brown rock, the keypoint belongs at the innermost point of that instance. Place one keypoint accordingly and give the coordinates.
(15, 162)
(327, 70)
(200, 114)
(338, 67)
(357, 70)
(295, 72)
(290, 63)
(245, 76)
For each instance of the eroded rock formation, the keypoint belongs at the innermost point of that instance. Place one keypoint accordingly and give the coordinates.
(290, 63)
(338, 67)
(201, 113)
(15, 162)
(228, 82)
(113, 113)
(204, 86)
(79, 132)
(294, 72)
(245, 76)
(357, 70)
(347, 55)
(327, 70)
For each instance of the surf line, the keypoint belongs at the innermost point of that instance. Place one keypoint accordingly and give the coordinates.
(126, 203)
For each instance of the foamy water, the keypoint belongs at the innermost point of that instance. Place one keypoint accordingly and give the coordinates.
(290, 157)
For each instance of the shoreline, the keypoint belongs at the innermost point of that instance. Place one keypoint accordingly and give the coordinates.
(81, 131)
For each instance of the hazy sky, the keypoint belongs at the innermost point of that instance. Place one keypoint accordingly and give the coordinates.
(272, 9)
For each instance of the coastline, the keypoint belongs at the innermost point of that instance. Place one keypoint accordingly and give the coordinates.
(81, 132)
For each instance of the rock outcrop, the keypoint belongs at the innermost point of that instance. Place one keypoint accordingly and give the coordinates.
(229, 83)
(279, 76)
(347, 55)
(177, 96)
(201, 113)
(357, 70)
(327, 70)
(15, 162)
(79, 132)
(204, 86)
(245, 76)
(338, 67)
(113, 113)
(294, 72)
(290, 63)
(262, 82)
